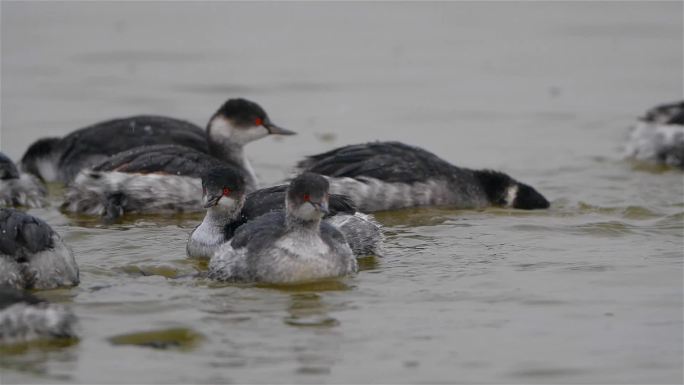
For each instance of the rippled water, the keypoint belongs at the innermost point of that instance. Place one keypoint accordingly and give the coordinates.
(587, 291)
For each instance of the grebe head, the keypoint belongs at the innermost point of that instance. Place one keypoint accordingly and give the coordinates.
(7, 168)
(223, 189)
(307, 197)
(242, 121)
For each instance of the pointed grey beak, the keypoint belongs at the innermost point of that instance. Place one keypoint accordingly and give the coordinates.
(321, 206)
(275, 130)
(211, 200)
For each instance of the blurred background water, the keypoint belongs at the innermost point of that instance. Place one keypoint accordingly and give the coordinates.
(589, 291)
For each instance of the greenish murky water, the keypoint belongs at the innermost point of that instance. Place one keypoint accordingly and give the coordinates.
(589, 291)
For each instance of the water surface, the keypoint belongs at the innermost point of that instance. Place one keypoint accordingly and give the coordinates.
(589, 291)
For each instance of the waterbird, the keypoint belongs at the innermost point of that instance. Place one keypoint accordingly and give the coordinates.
(167, 177)
(229, 207)
(19, 188)
(289, 246)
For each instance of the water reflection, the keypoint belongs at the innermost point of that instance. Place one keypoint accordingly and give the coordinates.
(175, 338)
(35, 357)
(307, 310)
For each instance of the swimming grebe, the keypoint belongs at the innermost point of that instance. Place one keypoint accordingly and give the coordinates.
(658, 137)
(18, 188)
(287, 246)
(60, 159)
(24, 317)
(161, 178)
(228, 208)
(32, 255)
(392, 175)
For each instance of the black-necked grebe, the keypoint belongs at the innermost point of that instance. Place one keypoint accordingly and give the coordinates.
(658, 136)
(18, 188)
(287, 246)
(24, 317)
(60, 159)
(392, 175)
(32, 255)
(159, 178)
(228, 208)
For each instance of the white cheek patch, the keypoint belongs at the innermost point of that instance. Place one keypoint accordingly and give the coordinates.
(223, 129)
(306, 212)
(47, 169)
(250, 134)
(220, 128)
(227, 203)
(511, 194)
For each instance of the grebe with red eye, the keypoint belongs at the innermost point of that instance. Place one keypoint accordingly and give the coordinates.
(60, 159)
(289, 246)
(229, 207)
(161, 178)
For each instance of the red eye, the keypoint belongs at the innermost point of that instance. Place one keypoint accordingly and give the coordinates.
(258, 122)
(306, 197)
(226, 191)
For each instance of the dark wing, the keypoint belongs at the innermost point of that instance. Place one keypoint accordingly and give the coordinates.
(331, 235)
(257, 232)
(161, 159)
(272, 199)
(386, 161)
(340, 204)
(85, 147)
(7, 168)
(22, 234)
(263, 201)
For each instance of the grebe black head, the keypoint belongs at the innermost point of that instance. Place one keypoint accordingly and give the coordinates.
(7, 168)
(224, 188)
(41, 157)
(241, 121)
(223, 195)
(307, 197)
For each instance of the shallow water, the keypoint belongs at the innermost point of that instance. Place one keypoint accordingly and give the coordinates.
(589, 291)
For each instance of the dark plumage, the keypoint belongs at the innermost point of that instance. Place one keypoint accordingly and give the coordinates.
(287, 246)
(165, 177)
(85, 147)
(229, 212)
(32, 255)
(22, 235)
(270, 199)
(160, 159)
(391, 175)
(17, 188)
(243, 112)
(671, 113)
(7, 168)
(387, 161)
